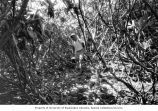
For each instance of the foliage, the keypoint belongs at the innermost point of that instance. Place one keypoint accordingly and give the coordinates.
(119, 65)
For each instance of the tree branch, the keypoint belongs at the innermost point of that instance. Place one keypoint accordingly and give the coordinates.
(155, 14)
(95, 47)
(4, 38)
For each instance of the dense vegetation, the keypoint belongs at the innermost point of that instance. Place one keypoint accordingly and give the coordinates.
(120, 65)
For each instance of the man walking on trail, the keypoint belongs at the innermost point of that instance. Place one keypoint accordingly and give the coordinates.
(78, 48)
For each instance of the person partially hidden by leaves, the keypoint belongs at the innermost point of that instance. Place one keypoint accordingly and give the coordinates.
(50, 12)
(78, 49)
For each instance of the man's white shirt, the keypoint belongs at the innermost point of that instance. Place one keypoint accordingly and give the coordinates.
(77, 45)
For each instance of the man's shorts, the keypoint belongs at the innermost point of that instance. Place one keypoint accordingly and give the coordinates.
(79, 54)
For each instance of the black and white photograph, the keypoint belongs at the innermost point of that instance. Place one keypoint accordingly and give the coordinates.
(78, 52)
